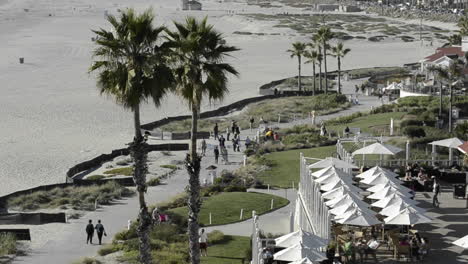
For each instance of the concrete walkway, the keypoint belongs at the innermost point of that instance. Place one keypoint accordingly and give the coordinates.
(71, 245)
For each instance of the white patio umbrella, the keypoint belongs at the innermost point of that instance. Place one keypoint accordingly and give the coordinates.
(353, 208)
(346, 199)
(387, 191)
(407, 216)
(338, 192)
(337, 163)
(450, 143)
(380, 187)
(378, 148)
(306, 238)
(303, 261)
(396, 208)
(298, 252)
(324, 171)
(333, 176)
(360, 218)
(462, 242)
(339, 210)
(338, 183)
(393, 198)
(380, 178)
(374, 170)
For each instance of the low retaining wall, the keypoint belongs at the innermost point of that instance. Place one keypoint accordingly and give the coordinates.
(31, 219)
(20, 234)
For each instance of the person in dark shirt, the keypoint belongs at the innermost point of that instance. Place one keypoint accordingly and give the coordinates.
(90, 232)
(216, 131)
(100, 231)
(216, 154)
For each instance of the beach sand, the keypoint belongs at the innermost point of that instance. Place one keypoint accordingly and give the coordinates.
(52, 116)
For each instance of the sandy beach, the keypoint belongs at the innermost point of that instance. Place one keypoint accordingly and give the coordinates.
(51, 113)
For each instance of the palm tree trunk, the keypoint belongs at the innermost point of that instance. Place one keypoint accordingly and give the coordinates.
(313, 74)
(450, 108)
(339, 75)
(299, 76)
(194, 202)
(320, 76)
(139, 150)
(325, 66)
(440, 100)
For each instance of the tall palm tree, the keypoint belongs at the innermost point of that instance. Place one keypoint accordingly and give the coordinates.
(339, 52)
(199, 69)
(131, 68)
(313, 57)
(298, 50)
(316, 42)
(325, 34)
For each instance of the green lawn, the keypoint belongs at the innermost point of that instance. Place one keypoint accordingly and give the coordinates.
(374, 124)
(232, 250)
(286, 168)
(225, 207)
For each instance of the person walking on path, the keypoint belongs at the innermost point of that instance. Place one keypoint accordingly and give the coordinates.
(216, 131)
(203, 147)
(216, 154)
(203, 243)
(436, 190)
(251, 121)
(90, 232)
(222, 141)
(100, 231)
(228, 133)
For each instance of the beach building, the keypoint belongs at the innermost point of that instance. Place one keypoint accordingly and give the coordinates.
(191, 5)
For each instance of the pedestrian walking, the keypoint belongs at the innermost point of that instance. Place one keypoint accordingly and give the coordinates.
(216, 131)
(237, 131)
(222, 141)
(203, 147)
(228, 133)
(436, 191)
(89, 232)
(216, 154)
(100, 231)
(251, 121)
(233, 127)
(203, 242)
(234, 146)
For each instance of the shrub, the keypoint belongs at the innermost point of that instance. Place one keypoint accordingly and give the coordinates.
(126, 171)
(154, 182)
(7, 244)
(170, 166)
(414, 132)
(108, 249)
(216, 237)
(95, 177)
(176, 201)
(234, 188)
(411, 122)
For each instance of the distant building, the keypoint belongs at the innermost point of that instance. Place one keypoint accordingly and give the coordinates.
(444, 56)
(191, 5)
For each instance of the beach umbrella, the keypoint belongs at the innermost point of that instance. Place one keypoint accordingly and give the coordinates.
(380, 187)
(337, 163)
(323, 171)
(380, 178)
(306, 238)
(338, 192)
(302, 261)
(407, 216)
(338, 183)
(359, 218)
(298, 252)
(462, 242)
(393, 198)
(346, 199)
(396, 208)
(378, 148)
(352, 209)
(339, 210)
(374, 170)
(387, 191)
(333, 176)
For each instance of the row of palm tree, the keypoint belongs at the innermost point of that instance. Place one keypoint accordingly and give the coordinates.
(136, 62)
(316, 53)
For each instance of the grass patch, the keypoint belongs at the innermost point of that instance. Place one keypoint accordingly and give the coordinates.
(373, 124)
(87, 261)
(285, 168)
(125, 171)
(169, 166)
(229, 250)
(78, 198)
(225, 207)
(153, 182)
(7, 244)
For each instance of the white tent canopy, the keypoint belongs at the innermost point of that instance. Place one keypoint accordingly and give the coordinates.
(339, 210)
(378, 148)
(324, 171)
(353, 209)
(302, 261)
(393, 198)
(333, 176)
(360, 218)
(407, 216)
(375, 170)
(332, 162)
(448, 143)
(387, 191)
(396, 208)
(462, 242)
(338, 183)
(306, 238)
(346, 199)
(298, 252)
(380, 178)
(380, 187)
(338, 192)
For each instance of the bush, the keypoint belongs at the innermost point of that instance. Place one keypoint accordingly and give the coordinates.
(215, 237)
(170, 166)
(414, 132)
(126, 171)
(411, 122)
(95, 177)
(7, 244)
(154, 182)
(179, 200)
(235, 188)
(108, 249)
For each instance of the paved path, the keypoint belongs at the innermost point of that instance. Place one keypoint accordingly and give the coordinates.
(71, 246)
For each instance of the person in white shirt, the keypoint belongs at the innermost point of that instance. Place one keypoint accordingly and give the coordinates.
(203, 242)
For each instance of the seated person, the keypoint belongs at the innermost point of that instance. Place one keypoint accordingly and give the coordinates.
(368, 248)
(404, 242)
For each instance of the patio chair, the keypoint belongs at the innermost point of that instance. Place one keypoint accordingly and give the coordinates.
(402, 250)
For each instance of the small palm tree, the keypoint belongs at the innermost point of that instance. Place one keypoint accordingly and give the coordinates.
(316, 42)
(198, 55)
(313, 57)
(324, 35)
(298, 50)
(339, 52)
(132, 68)
(455, 39)
(463, 25)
